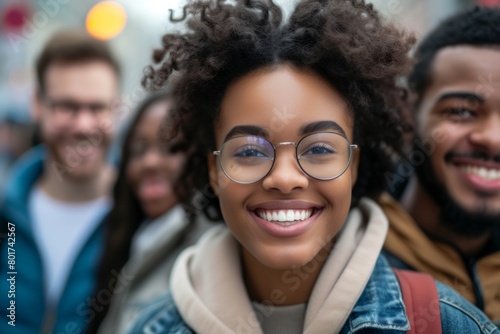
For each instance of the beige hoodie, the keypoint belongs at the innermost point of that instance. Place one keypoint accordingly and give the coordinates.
(208, 288)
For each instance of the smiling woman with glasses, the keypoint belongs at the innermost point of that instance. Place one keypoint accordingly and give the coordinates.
(299, 250)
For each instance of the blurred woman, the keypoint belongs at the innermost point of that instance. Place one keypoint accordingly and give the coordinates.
(147, 226)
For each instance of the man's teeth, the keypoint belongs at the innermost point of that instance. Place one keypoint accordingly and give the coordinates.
(482, 172)
(284, 215)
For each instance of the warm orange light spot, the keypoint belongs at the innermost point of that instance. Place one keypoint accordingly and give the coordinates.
(106, 20)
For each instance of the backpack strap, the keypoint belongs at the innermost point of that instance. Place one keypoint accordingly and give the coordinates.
(421, 300)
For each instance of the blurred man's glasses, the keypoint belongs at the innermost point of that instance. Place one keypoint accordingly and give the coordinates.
(322, 156)
(68, 108)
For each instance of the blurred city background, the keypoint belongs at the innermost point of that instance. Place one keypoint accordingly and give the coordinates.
(133, 29)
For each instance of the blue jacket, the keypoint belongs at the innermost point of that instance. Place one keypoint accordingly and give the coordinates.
(27, 293)
(380, 309)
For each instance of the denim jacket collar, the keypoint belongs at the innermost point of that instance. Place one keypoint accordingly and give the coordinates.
(380, 308)
(381, 305)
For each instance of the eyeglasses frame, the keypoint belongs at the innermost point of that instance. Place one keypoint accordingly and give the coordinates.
(296, 145)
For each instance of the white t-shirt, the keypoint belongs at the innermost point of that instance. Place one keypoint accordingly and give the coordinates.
(61, 229)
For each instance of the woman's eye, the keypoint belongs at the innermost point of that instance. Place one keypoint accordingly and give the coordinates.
(458, 113)
(320, 149)
(250, 153)
(137, 151)
(138, 148)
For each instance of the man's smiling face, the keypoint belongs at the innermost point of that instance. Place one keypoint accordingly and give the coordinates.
(461, 105)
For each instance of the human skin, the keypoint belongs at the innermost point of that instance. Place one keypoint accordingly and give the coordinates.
(254, 100)
(152, 169)
(459, 113)
(77, 145)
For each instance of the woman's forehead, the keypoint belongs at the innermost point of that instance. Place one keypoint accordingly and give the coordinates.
(284, 86)
(281, 100)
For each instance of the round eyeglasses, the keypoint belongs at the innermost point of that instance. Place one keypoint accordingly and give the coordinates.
(322, 156)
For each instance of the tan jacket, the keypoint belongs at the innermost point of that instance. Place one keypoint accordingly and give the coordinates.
(408, 242)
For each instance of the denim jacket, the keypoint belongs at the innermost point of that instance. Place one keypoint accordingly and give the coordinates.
(380, 309)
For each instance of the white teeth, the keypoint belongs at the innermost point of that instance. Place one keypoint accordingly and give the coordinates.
(284, 217)
(482, 172)
(281, 216)
(274, 216)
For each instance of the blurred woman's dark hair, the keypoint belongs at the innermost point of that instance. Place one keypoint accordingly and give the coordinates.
(125, 216)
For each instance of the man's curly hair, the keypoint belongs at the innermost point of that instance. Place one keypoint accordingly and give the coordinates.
(346, 42)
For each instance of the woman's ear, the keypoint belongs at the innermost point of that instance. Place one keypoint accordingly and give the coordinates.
(213, 173)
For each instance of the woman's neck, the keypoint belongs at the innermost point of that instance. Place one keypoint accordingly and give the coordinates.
(282, 287)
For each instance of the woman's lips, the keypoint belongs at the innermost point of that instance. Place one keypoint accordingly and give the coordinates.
(152, 189)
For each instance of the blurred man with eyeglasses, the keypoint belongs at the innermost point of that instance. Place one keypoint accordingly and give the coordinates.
(58, 192)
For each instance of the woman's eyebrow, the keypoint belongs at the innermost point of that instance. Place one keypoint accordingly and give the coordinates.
(246, 130)
(322, 126)
(462, 96)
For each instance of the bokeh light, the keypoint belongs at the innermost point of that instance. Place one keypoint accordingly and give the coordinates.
(106, 20)
(489, 3)
(15, 15)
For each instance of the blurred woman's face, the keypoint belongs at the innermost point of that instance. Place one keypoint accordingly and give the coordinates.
(154, 165)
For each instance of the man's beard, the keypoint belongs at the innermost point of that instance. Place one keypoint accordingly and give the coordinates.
(453, 216)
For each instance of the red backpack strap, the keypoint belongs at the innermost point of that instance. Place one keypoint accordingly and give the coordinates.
(421, 300)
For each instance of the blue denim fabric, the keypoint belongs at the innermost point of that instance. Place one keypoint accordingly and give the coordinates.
(380, 309)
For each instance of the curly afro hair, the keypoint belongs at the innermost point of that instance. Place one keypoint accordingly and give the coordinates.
(478, 26)
(347, 43)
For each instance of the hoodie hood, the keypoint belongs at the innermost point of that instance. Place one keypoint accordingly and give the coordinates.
(212, 298)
